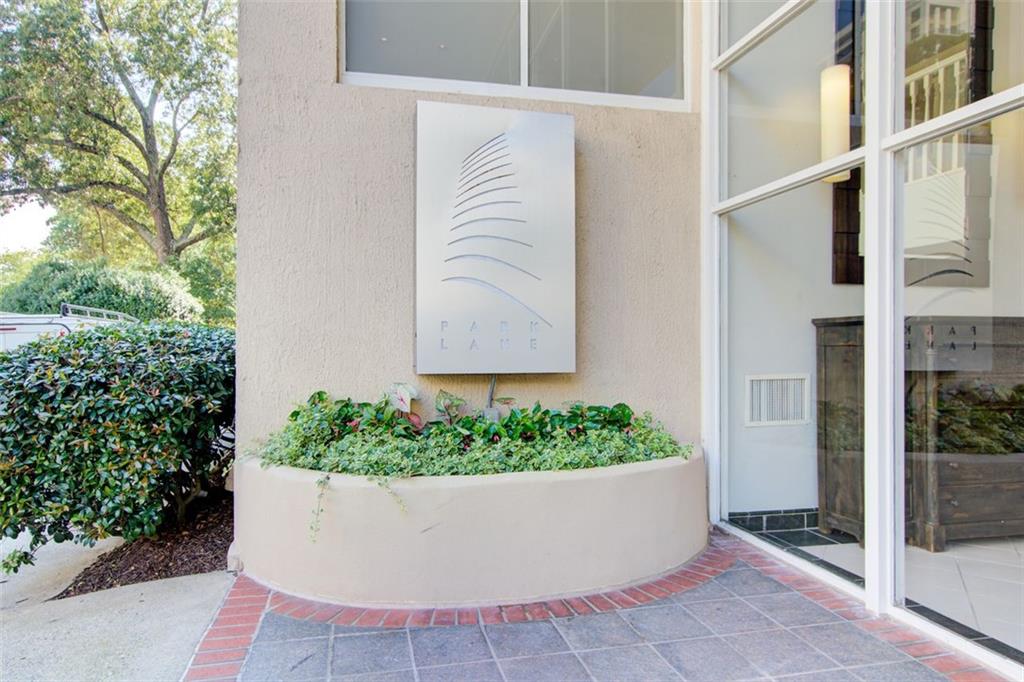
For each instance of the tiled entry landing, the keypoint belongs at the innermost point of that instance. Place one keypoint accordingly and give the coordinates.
(975, 587)
(748, 617)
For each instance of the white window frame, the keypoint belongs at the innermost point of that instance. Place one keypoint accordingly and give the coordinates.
(523, 90)
(883, 590)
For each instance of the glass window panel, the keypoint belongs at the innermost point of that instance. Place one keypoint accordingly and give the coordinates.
(629, 47)
(567, 45)
(958, 52)
(794, 377)
(739, 17)
(963, 223)
(471, 41)
(796, 99)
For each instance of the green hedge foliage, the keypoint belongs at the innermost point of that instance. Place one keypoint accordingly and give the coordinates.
(111, 431)
(146, 295)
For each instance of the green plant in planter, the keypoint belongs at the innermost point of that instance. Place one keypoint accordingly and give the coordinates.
(382, 442)
(448, 405)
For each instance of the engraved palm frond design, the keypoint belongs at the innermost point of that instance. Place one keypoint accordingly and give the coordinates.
(487, 195)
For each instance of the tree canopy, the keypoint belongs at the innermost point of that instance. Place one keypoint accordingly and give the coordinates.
(124, 108)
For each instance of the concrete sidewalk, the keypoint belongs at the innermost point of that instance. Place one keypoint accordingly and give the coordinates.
(56, 565)
(138, 632)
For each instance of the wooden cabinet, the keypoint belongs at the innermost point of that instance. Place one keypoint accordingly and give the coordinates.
(840, 420)
(964, 431)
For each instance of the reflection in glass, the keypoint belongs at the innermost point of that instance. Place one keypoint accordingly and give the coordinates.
(629, 47)
(471, 41)
(958, 52)
(794, 368)
(963, 221)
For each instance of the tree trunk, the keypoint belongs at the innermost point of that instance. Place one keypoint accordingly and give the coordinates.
(103, 238)
(164, 246)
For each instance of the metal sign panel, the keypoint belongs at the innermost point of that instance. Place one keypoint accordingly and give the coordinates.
(495, 241)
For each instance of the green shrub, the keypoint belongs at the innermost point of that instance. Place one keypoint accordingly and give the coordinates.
(147, 295)
(110, 431)
(380, 441)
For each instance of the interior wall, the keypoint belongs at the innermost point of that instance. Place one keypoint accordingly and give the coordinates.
(771, 102)
(779, 279)
(326, 224)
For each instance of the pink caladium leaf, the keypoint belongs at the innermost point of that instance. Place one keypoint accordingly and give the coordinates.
(401, 396)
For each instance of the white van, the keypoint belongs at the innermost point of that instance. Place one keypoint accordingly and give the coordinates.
(19, 328)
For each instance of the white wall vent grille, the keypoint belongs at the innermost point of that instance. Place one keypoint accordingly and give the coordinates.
(778, 399)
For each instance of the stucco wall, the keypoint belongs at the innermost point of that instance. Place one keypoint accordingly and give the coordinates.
(326, 224)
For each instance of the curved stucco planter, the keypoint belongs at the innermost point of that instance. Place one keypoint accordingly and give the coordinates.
(505, 538)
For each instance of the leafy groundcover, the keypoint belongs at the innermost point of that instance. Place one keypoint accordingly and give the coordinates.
(386, 440)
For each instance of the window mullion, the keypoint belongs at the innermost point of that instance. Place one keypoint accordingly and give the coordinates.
(880, 314)
(524, 43)
(850, 159)
(760, 33)
(712, 285)
(958, 119)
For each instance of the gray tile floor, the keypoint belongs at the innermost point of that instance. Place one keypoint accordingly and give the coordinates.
(740, 626)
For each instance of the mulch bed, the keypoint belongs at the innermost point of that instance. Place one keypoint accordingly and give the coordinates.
(199, 545)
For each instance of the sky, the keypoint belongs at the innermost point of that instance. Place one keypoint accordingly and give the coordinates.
(24, 227)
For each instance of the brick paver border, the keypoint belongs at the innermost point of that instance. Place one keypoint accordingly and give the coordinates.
(226, 643)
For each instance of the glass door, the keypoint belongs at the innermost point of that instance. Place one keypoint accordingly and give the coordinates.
(795, 382)
(865, 250)
(793, 273)
(960, 214)
(963, 244)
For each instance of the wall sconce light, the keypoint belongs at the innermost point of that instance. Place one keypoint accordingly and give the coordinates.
(835, 116)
